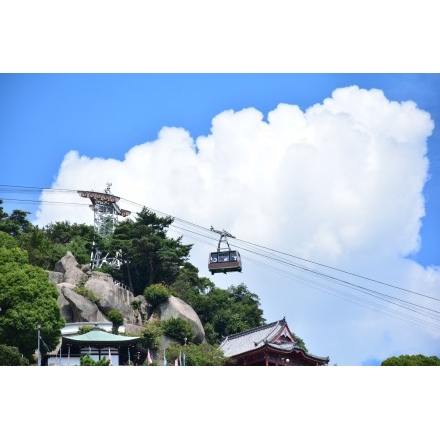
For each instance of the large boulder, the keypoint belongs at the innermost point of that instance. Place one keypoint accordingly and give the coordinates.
(55, 277)
(176, 308)
(111, 295)
(68, 266)
(65, 307)
(133, 329)
(81, 309)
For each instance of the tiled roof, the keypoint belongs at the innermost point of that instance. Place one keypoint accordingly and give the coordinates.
(251, 339)
(289, 347)
(98, 336)
(255, 338)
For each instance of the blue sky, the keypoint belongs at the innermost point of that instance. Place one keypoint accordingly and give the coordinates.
(79, 131)
(345, 174)
(329, 181)
(104, 115)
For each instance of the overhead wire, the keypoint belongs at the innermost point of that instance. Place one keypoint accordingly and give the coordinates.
(343, 271)
(387, 298)
(352, 285)
(374, 293)
(275, 258)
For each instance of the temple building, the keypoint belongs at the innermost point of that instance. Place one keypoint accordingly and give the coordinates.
(98, 343)
(269, 345)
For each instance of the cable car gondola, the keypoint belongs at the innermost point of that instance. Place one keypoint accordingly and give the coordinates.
(224, 259)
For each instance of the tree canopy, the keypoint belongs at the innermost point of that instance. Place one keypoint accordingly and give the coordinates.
(10, 356)
(222, 312)
(27, 298)
(153, 265)
(195, 355)
(149, 256)
(116, 319)
(411, 360)
(15, 223)
(88, 361)
(46, 246)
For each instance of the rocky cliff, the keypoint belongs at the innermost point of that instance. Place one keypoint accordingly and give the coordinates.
(101, 293)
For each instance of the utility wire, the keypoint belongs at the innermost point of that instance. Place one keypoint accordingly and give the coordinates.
(343, 271)
(27, 189)
(373, 293)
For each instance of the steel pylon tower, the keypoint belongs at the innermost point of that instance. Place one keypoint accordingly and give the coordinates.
(106, 212)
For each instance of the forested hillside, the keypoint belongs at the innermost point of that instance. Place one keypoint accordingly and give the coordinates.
(149, 258)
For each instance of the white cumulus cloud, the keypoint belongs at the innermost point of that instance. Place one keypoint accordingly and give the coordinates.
(339, 183)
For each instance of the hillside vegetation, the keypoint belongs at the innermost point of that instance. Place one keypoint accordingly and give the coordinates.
(150, 259)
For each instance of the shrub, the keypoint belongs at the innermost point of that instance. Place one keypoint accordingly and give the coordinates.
(115, 316)
(85, 329)
(86, 293)
(87, 361)
(117, 319)
(195, 355)
(10, 356)
(156, 294)
(151, 336)
(178, 328)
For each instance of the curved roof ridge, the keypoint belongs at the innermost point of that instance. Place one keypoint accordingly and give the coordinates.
(291, 346)
(277, 324)
(254, 330)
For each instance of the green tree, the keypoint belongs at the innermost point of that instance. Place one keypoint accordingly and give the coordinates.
(246, 305)
(411, 360)
(11, 356)
(116, 318)
(27, 298)
(226, 312)
(88, 361)
(195, 354)
(15, 223)
(300, 342)
(42, 251)
(65, 232)
(148, 255)
(179, 329)
(48, 245)
(189, 287)
(84, 291)
(74, 237)
(156, 294)
(85, 329)
(3, 215)
(150, 337)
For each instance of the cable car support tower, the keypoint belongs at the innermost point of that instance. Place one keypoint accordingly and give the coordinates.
(106, 212)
